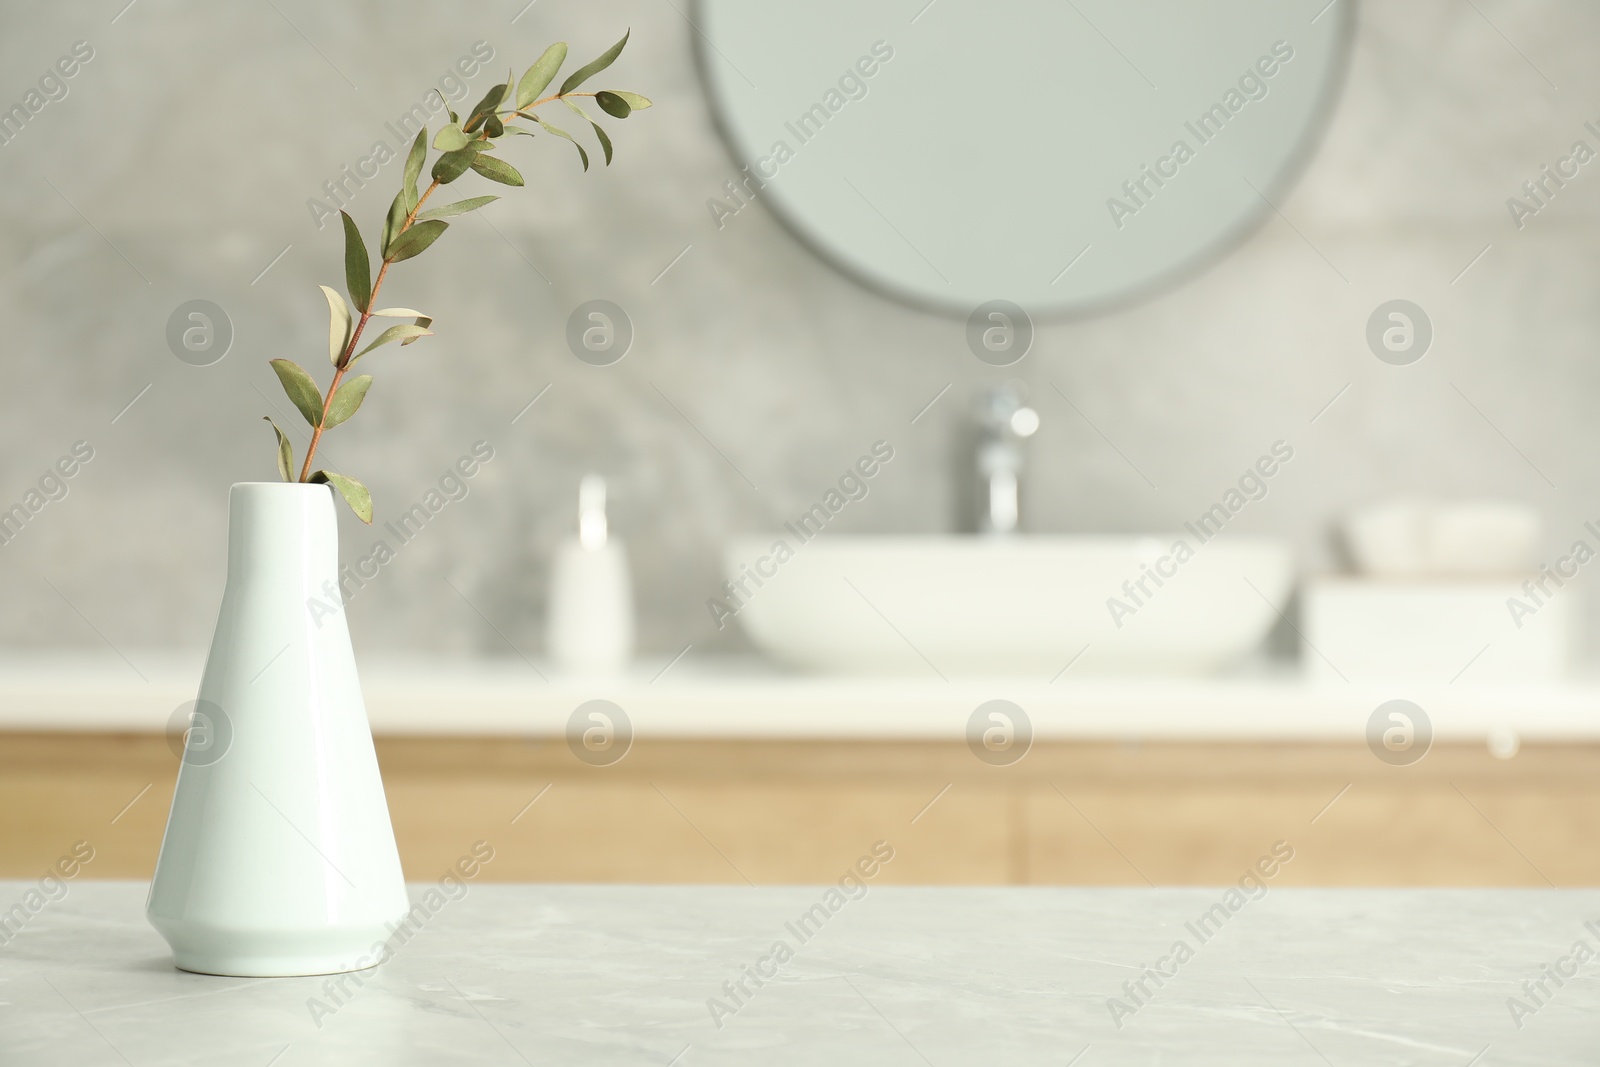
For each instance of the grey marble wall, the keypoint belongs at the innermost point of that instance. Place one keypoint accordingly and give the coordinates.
(178, 166)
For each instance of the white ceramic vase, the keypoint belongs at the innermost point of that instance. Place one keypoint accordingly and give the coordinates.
(279, 858)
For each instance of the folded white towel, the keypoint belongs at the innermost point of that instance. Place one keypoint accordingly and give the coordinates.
(1423, 537)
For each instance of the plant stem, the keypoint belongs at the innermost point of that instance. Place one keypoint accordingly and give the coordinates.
(536, 103)
(355, 335)
(372, 301)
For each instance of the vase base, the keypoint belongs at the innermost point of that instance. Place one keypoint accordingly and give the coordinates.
(270, 966)
(233, 952)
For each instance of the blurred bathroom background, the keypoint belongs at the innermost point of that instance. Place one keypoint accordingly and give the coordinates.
(179, 164)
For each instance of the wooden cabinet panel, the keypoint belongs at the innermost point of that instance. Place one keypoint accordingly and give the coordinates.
(775, 812)
(675, 825)
(112, 792)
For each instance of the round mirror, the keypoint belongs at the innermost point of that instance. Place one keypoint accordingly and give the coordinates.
(1065, 155)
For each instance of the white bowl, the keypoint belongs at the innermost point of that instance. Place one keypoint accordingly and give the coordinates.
(1029, 605)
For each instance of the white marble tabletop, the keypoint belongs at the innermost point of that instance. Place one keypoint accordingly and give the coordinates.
(636, 975)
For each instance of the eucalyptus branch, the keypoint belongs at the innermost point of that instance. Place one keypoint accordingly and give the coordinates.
(343, 363)
(408, 231)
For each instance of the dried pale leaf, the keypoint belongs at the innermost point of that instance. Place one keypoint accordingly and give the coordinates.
(423, 322)
(285, 452)
(339, 324)
(402, 332)
(421, 319)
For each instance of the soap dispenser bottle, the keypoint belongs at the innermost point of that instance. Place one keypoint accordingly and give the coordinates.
(589, 626)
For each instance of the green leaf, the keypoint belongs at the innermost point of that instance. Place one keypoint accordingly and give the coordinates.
(633, 100)
(494, 127)
(417, 238)
(519, 129)
(588, 70)
(339, 324)
(357, 267)
(497, 170)
(605, 141)
(449, 138)
(540, 74)
(559, 132)
(486, 106)
(285, 452)
(355, 494)
(303, 392)
(452, 165)
(460, 207)
(403, 332)
(347, 400)
(613, 104)
(392, 222)
(414, 161)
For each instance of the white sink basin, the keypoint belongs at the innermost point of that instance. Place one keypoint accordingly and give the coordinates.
(1021, 606)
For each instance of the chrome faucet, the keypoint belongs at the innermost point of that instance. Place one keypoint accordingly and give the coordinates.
(1004, 421)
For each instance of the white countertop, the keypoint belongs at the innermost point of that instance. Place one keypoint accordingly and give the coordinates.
(734, 699)
(634, 975)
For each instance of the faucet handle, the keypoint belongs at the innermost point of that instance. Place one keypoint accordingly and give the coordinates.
(1003, 409)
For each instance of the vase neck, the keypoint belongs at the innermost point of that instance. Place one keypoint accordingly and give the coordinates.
(284, 534)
